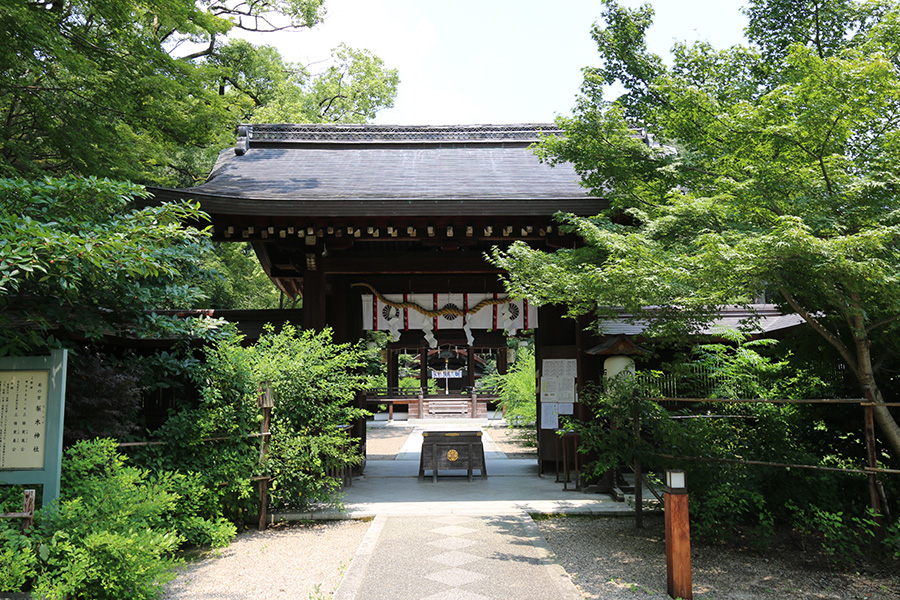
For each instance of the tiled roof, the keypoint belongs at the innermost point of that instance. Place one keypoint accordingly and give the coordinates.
(369, 169)
(759, 319)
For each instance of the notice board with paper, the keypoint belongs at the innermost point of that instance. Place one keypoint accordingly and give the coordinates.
(557, 389)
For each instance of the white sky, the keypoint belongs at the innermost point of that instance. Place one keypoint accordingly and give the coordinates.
(492, 61)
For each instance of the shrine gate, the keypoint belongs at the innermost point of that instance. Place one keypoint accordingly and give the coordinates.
(386, 227)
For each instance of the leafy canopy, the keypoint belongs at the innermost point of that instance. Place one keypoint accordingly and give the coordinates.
(75, 258)
(767, 169)
(149, 90)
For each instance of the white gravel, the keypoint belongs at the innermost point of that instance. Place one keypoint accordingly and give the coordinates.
(287, 562)
(608, 559)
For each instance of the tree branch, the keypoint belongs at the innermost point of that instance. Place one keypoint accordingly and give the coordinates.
(882, 322)
(206, 52)
(821, 330)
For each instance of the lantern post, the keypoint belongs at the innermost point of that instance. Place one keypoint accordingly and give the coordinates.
(678, 537)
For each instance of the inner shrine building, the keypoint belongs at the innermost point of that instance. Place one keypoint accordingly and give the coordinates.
(386, 228)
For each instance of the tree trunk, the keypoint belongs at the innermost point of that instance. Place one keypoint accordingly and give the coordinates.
(866, 376)
(887, 423)
(860, 363)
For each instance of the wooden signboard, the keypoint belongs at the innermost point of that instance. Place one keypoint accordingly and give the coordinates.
(32, 401)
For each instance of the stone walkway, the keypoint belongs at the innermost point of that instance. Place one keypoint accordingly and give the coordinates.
(455, 557)
(513, 487)
(454, 539)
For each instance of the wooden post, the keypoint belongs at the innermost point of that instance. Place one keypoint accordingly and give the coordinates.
(423, 370)
(265, 401)
(872, 463)
(314, 294)
(638, 474)
(28, 509)
(502, 360)
(27, 514)
(393, 370)
(470, 370)
(678, 542)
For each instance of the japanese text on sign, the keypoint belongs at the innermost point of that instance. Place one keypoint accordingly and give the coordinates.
(23, 419)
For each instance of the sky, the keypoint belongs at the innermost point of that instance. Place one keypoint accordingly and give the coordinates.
(491, 61)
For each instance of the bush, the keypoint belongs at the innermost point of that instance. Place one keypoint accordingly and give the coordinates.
(846, 539)
(107, 538)
(517, 390)
(18, 561)
(735, 499)
(196, 516)
(314, 383)
(106, 565)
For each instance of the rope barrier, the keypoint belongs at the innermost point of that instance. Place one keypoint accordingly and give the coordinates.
(447, 310)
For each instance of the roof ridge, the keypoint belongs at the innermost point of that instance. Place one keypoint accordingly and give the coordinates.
(307, 133)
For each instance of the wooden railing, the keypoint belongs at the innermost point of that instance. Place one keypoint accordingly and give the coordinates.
(416, 400)
(27, 514)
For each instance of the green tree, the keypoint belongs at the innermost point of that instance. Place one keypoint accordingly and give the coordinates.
(149, 91)
(75, 258)
(352, 89)
(236, 279)
(767, 168)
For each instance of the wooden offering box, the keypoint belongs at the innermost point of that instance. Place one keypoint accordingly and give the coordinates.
(451, 450)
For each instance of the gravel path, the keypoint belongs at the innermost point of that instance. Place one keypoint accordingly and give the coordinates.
(609, 559)
(383, 442)
(287, 562)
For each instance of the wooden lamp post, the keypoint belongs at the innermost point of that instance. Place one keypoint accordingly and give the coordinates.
(678, 537)
(265, 400)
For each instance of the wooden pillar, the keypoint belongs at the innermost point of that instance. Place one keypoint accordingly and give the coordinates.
(423, 370)
(470, 367)
(314, 294)
(393, 368)
(502, 360)
(872, 463)
(337, 313)
(582, 339)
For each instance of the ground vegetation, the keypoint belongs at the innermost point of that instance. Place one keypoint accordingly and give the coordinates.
(126, 510)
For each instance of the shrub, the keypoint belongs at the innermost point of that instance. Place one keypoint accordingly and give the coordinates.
(314, 383)
(517, 390)
(196, 515)
(106, 565)
(107, 538)
(846, 539)
(18, 561)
